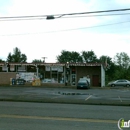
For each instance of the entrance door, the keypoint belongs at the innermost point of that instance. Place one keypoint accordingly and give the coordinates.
(95, 80)
(73, 79)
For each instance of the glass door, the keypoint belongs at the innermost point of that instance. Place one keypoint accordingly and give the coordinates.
(73, 79)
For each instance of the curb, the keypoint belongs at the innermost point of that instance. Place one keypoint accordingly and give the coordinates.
(68, 102)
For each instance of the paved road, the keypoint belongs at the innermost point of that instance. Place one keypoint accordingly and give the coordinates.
(66, 95)
(50, 116)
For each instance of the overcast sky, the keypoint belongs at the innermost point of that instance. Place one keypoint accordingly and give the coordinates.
(105, 35)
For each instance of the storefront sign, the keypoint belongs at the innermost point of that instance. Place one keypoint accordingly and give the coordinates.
(54, 68)
(4, 68)
(12, 68)
(22, 68)
(47, 68)
(26, 76)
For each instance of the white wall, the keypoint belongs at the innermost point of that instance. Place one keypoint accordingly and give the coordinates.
(102, 76)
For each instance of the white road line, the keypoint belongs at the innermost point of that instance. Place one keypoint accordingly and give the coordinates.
(123, 90)
(119, 98)
(88, 97)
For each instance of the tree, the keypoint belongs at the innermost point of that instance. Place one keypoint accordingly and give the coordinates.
(89, 56)
(109, 67)
(9, 58)
(122, 59)
(75, 57)
(36, 61)
(2, 60)
(17, 56)
(67, 56)
(122, 63)
(105, 59)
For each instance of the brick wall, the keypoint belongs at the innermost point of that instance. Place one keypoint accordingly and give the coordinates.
(5, 77)
(88, 70)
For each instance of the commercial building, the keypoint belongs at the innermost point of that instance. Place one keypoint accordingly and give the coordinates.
(62, 73)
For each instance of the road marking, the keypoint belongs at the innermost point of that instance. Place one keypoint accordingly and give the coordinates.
(119, 98)
(88, 97)
(124, 90)
(60, 118)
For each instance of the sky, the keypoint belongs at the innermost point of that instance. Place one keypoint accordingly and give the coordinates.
(105, 35)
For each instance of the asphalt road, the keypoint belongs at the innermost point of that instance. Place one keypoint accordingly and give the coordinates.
(52, 116)
(117, 96)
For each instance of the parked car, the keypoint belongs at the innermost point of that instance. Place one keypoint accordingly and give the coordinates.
(46, 81)
(120, 82)
(83, 83)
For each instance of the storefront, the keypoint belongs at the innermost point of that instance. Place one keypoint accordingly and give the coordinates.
(67, 74)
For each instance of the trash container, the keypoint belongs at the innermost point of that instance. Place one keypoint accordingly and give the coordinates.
(13, 81)
(36, 82)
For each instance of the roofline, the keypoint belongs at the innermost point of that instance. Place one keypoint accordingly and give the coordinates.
(54, 64)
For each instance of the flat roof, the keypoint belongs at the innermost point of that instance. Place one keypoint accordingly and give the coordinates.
(55, 64)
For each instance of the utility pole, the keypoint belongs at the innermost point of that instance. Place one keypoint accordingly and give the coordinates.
(44, 59)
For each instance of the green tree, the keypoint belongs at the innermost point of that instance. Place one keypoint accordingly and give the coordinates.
(17, 56)
(122, 63)
(75, 57)
(2, 60)
(9, 58)
(109, 66)
(105, 60)
(37, 61)
(67, 56)
(89, 56)
(127, 74)
(122, 59)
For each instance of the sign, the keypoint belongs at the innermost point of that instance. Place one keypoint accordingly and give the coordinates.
(25, 76)
(122, 124)
(4, 68)
(60, 69)
(22, 68)
(54, 68)
(85, 64)
(12, 68)
(47, 68)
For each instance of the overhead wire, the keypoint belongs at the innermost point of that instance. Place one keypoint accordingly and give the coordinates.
(61, 15)
(68, 17)
(64, 30)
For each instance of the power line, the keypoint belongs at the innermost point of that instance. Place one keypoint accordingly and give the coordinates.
(61, 15)
(95, 12)
(72, 29)
(91, 27)
(99, 15)
(68, 17)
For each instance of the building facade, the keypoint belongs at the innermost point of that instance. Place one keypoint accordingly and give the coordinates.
(62, 73)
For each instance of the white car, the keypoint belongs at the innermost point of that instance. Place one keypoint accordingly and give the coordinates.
(121, 82)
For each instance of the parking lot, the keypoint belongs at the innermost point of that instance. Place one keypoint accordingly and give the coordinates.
(104, 96)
